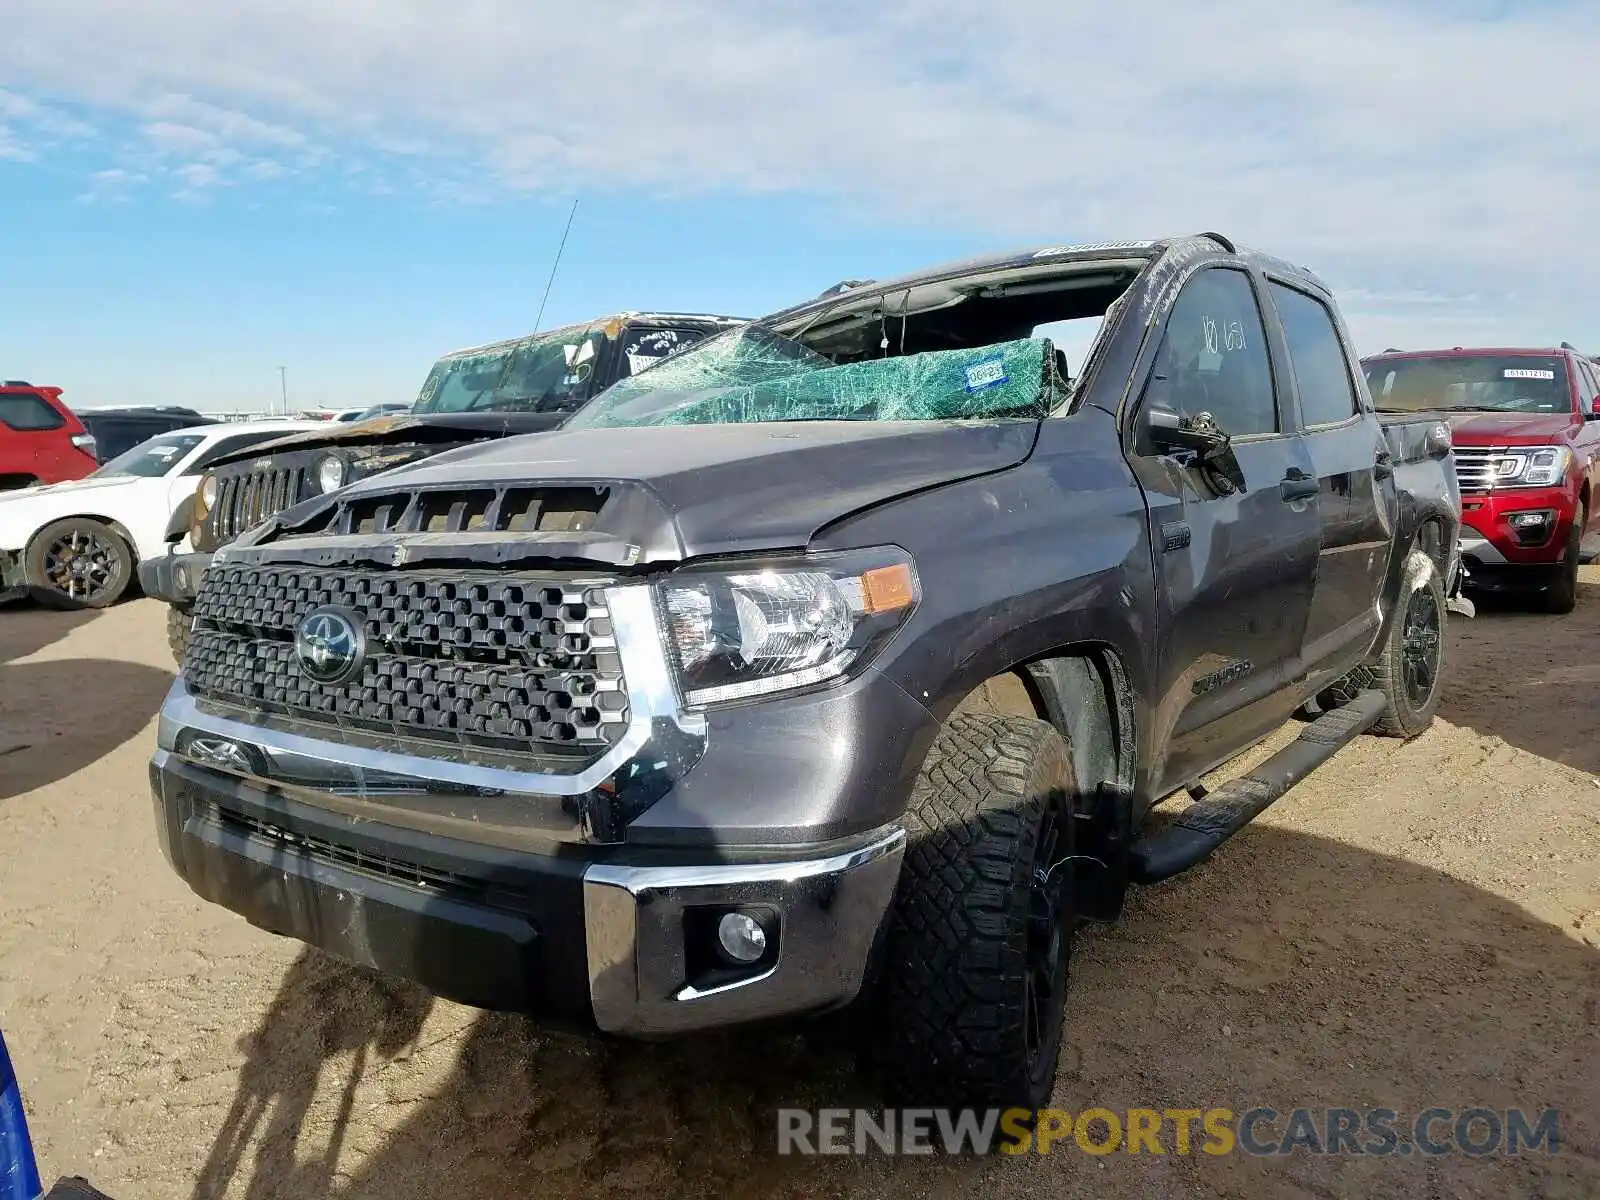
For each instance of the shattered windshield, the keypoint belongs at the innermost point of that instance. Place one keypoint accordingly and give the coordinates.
(1478, 382)
(755, 374)
(551, 373)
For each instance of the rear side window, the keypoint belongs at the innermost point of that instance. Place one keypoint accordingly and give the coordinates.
(643, 347)
(1321, 371)
(25, 411)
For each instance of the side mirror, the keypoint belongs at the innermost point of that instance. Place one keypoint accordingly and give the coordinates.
(1170, 431)
(1201, 436)
(1594, 412)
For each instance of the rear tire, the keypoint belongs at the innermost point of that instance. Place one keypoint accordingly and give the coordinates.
(179, 623)
(78, 563)
(969, 1008)
(1561, 597)
(1408, 669)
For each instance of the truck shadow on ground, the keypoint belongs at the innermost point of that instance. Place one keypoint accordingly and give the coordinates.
(1293, 971)
(1506, 662)
(60, 714)
(26, 630)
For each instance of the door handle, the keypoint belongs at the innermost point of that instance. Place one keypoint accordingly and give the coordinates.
(1383, 465)
(1297, 485)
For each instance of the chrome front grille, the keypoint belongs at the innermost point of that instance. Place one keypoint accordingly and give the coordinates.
(1475, 467)
(497, 660)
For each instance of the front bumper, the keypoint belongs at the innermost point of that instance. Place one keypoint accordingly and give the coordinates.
(174, 577)
(605, 940)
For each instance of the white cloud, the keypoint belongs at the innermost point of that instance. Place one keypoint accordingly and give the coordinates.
(12, 147)
(1403, 146)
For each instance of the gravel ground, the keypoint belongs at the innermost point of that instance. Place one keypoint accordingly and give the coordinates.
(1415, 925)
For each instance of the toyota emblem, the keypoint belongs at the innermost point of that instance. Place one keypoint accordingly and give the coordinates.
(330, 645)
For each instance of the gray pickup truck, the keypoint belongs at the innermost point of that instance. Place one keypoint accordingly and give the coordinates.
(838, 662)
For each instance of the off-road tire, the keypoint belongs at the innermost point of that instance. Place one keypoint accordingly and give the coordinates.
(179, 622)
(121, 564)
(1561, 597)
(1404, 715)
(950, 1013)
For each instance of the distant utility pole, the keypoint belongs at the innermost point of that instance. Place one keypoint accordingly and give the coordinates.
(283, 384)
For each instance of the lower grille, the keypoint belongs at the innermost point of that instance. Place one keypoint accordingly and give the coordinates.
(509, 663)
(1475, 467)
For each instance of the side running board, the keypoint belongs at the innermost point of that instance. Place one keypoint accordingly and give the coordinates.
(1206, 824)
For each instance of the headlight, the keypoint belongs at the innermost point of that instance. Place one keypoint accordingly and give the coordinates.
(330, 473)
(206, 494)
(1533, 466)
(741, 633)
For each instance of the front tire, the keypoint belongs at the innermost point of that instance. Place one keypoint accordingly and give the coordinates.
(179, 622)
(78, 563)
(1561, 597)
(969, 1007)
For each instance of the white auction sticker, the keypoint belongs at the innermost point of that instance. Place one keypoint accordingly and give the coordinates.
(1528, 373)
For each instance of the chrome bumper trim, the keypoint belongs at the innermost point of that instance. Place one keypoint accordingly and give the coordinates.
(829, 910)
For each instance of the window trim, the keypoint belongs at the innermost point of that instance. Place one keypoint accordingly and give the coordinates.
(1350, 373)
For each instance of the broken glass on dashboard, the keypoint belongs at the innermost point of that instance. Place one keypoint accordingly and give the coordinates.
(753, 374)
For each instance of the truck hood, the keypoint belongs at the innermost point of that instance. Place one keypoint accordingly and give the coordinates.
(408, 428)
(1509, 429)
(678, 492)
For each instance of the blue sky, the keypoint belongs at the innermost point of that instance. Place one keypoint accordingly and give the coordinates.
(192, 193)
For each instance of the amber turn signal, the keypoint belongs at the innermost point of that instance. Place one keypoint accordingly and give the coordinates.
(884, 589)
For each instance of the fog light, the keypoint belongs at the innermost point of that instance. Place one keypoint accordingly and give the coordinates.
(1528, 520)
(180, 578)
(741, 937)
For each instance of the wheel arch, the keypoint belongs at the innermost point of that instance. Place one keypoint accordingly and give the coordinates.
(1084, 691)
(111, 523)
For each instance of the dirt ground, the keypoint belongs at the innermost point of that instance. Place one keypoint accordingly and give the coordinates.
(1415, 925)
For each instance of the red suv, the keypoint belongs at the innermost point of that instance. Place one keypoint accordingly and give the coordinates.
(41, 439)
(1526, 425)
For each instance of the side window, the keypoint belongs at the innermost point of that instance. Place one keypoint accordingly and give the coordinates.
(1321, 371)
(1213, 355)
(232, 445)
(26, 412)
(643, 348)
(1586, 385)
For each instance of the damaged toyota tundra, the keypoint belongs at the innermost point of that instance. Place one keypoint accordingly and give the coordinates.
(836, 664)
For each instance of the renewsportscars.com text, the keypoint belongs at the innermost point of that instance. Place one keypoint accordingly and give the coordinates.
(1260, 1132)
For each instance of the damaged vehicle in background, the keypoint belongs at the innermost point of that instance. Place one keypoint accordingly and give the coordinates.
(524, 385)
(1526, 427)
(838, 661)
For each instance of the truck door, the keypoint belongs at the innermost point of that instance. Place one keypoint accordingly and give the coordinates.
(1234, 568)
(1355, 478)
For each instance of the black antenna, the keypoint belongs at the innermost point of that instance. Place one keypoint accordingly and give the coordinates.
(538, 321)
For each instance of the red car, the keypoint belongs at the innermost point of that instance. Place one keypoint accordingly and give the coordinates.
(1526, 425)
(41, 439)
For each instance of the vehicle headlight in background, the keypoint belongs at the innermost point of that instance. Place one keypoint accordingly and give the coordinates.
(206, 494)
(331, 473)
(1532, 466)
(740, 633)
